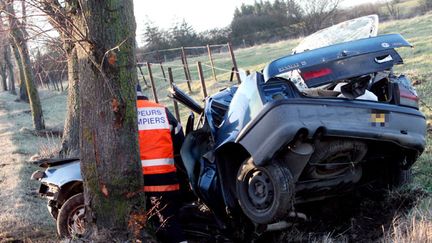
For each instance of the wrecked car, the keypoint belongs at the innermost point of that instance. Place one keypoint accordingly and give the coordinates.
(315, 124)
(323, 121)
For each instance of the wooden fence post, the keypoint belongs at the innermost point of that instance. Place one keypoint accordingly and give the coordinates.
(201, 77)
(176, 109)
(163, 71)
(211, 62)
(185, 71)
(186, 63)
(152, 83)
(143, 76)
(234, 62)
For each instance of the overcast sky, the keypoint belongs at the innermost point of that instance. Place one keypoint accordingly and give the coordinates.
(201, 14)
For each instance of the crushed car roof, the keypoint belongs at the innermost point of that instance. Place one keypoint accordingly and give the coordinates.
(331, 53)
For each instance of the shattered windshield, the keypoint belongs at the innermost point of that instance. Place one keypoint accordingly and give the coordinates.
(354, 29)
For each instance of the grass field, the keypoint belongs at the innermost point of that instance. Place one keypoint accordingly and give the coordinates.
(25, 218)
(418, 65)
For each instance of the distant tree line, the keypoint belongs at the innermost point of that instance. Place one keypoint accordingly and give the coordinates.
(267, 21)
(260, 22)
(181, 34)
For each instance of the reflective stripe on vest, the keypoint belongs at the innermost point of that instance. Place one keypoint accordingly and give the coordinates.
(157, 166)
(154, 162)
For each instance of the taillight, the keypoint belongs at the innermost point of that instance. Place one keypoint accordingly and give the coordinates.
(316, 73)
(407, 97)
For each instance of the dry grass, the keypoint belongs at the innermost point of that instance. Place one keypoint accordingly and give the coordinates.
(49, 147)
(416, 227)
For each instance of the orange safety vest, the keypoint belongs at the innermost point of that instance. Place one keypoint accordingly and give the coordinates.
(156, 145)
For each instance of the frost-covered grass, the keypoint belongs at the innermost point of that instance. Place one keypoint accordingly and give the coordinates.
(24, 215)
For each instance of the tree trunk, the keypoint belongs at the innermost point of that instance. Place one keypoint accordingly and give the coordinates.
(60, 18)
(10, 70)
(22, 85)
(70, 139)
(3, 47)
(3, 75)
(110, 162)
(18, 37)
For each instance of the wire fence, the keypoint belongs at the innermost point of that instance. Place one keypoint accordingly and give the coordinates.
(198, 74)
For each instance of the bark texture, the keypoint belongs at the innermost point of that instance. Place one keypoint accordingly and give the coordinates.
(108, 128)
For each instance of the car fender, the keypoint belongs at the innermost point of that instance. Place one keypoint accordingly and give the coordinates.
(62, 174)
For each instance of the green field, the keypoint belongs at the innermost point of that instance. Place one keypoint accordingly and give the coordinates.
(418, 66)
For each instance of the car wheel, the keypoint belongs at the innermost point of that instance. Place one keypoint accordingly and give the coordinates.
(265, 194)
(393, 176)
(70, 220)
(403, 177)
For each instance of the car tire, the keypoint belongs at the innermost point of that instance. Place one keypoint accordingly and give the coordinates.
(389, 175)
(70, 220)
(396, 177)
(403, 177)
(266, 193)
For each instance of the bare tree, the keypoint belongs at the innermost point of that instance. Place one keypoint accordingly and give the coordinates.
(3, 47)
(393, 8)
(23, 96)
(60, 17)
(317, 13)
(3, 72)
(10, 69)
(18, 36)
(6, 64)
